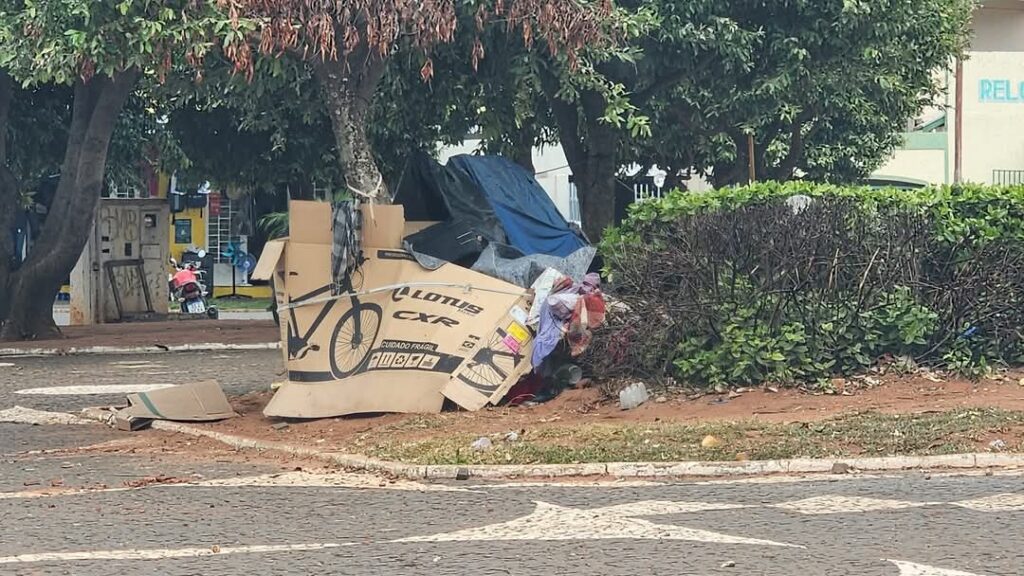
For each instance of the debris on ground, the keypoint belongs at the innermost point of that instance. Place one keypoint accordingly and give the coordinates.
(632, 396)
(841, 468)
(154, 480)
(997, 445)
(194, 402)
(512, 436)
(22, 415)
(710, 441)
(482, 444)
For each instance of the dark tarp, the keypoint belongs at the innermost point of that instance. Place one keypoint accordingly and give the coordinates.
(530, 219)
(434, 193)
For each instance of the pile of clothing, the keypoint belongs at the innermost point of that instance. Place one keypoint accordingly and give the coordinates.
(564, 309)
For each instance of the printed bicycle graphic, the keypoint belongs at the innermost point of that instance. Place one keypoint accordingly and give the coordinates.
(353, 336)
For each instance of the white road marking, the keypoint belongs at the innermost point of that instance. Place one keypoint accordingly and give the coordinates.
(22, 415)
(847, 504)
(551, 522)
(285, 480)
(311, 480)
(997, 503)
(6, 364)
(60, 491)
(911, 569)
(92, 390)
(161, 553)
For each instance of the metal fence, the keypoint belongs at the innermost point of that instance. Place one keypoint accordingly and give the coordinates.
(643, 190)
(1008, 177)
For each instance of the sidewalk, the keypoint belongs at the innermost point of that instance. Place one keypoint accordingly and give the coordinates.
(156, 335)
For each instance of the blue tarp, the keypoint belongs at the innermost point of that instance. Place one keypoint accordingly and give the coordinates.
(531, 220)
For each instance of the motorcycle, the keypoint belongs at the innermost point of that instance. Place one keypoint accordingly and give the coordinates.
(187, 288)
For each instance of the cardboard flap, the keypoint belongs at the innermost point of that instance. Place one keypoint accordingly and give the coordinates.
(310, 222)
(269, 259)
(383, 225)
(195, 402)
(414, 227)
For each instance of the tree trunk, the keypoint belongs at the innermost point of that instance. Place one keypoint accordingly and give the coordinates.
(34, 286)
(596, 192)
(522, 148)
(8, 196)
(348, 93)
(591, 148)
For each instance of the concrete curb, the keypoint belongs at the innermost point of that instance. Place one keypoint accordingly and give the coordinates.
(613, 469)
(153, 349)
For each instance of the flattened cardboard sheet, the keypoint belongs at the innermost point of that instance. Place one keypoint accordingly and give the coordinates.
(196, 402)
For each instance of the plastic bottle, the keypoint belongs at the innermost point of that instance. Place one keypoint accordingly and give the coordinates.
(632, 396)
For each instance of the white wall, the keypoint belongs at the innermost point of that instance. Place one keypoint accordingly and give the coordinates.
(924, 165)
(993, 115)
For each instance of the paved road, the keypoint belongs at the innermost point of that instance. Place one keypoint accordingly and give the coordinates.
(238, 518)
(70, 383)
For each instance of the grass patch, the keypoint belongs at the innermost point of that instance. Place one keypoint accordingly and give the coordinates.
(258, 304)
(865, 434)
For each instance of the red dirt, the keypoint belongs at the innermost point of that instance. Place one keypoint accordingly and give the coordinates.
(171, 446)
(905, 395)
(166, 333)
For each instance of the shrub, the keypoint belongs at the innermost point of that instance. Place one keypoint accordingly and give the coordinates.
(753, 284)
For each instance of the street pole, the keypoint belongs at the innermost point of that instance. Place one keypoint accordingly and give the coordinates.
(958, 137)
(750, 156)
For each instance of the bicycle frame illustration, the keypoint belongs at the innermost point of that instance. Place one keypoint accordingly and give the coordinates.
(353, 336)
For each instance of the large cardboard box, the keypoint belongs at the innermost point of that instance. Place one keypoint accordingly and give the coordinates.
(402, 338)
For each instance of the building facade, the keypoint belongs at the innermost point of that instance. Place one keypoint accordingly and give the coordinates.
(991, 126)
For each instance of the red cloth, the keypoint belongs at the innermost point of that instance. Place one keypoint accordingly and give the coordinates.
(589, 314)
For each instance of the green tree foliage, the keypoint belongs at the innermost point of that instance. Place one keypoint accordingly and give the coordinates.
(102, 52)
(350, 44)
(825, 88)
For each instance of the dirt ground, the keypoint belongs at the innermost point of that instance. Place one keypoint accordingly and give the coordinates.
(890, 395)
(166, 333)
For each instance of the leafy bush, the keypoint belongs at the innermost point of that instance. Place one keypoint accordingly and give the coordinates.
(796, 282)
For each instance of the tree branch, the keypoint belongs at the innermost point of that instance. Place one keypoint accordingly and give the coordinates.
(668, 80)
(567, 119)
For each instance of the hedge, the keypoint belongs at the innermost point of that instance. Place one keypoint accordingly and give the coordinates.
(800, 282)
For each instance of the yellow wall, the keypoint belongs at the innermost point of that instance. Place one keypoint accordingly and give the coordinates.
(198, 218)
(196, 215)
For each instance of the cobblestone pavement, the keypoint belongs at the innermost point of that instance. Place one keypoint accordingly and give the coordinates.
(251, 523)
(68, 513)
(70, 383)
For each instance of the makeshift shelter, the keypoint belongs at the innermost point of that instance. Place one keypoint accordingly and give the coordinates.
(480, 201)
(383, 315)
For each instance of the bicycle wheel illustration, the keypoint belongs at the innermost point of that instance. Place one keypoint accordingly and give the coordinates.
(350, 349)
(490, 367)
